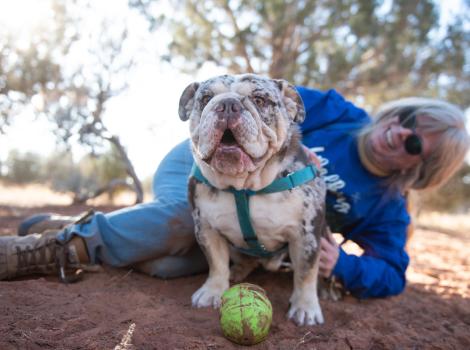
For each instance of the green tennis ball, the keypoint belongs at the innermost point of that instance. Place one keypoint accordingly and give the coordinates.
(245, 314)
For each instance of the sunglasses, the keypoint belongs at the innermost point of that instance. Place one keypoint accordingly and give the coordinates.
(413, 143)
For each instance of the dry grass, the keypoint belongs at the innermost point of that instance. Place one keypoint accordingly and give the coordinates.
(33, 195)
(445, 221)
(37, 195)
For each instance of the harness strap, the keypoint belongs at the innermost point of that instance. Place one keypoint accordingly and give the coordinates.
(292, 180)
(256, 248)
(242, 198)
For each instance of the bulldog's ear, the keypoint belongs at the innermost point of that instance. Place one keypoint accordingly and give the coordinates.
(187, 101)
(292, 100)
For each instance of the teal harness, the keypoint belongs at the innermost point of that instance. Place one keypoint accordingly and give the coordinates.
(242, 198)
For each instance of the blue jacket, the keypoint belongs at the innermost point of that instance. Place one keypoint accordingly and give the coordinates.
(359, 205)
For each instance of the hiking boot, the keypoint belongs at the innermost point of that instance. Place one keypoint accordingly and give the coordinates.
(49, 221)
(42, 254)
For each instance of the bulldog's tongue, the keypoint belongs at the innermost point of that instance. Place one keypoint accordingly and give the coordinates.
(231, 160)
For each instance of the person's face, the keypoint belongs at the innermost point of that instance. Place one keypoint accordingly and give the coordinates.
(387, 144)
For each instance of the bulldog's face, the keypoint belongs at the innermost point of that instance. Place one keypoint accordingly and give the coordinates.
(237, 123)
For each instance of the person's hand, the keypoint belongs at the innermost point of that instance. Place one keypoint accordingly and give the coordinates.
(329, 254)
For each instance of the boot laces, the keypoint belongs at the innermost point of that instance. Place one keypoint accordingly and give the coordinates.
(33, 259)
(36, 260)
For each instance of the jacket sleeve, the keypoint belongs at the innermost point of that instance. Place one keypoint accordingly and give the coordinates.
(324, 108)
(380, 271)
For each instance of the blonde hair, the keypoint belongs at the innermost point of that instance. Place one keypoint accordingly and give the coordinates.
(449, 152)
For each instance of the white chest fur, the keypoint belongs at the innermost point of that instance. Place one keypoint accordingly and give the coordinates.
(275, 217)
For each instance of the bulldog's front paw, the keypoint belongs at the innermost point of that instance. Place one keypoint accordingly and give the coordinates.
(305, 313)
(208, 295)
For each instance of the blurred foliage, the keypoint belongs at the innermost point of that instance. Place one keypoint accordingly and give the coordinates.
(370, 50)
(378, 50)
(62, 173)
(452, 197)
(98, 171)
(67, 75)
(31, 66)
(23, 168)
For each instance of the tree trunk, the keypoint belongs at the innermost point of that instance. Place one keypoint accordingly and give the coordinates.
(139, 192)
(109, 187)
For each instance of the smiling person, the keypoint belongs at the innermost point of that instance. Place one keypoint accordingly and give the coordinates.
(367, 163)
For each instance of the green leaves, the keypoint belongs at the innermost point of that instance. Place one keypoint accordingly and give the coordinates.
(376, 49)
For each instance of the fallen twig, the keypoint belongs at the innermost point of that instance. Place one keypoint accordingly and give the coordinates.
(118, 278)
(125, 343)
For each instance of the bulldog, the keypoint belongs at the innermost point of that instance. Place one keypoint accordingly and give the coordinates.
(255, 194)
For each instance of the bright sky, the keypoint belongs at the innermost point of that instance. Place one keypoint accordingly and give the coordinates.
(145, 117)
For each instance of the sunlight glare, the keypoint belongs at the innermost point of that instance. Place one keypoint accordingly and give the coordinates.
(23, 17)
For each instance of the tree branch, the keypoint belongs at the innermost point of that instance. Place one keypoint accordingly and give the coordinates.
(241, 45)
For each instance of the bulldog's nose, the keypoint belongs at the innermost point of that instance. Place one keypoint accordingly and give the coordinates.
(229, 109)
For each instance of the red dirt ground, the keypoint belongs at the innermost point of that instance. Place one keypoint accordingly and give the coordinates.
(122, 309)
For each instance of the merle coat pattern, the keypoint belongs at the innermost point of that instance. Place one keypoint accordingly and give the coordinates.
(244, 134)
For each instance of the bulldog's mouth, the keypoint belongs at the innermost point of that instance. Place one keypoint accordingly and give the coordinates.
(229, 157)
(228, 138)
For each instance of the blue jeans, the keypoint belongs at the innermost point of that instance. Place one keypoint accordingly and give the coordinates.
(157, 237)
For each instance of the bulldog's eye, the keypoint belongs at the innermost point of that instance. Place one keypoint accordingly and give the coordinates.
(205, 100)
(260, 101)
